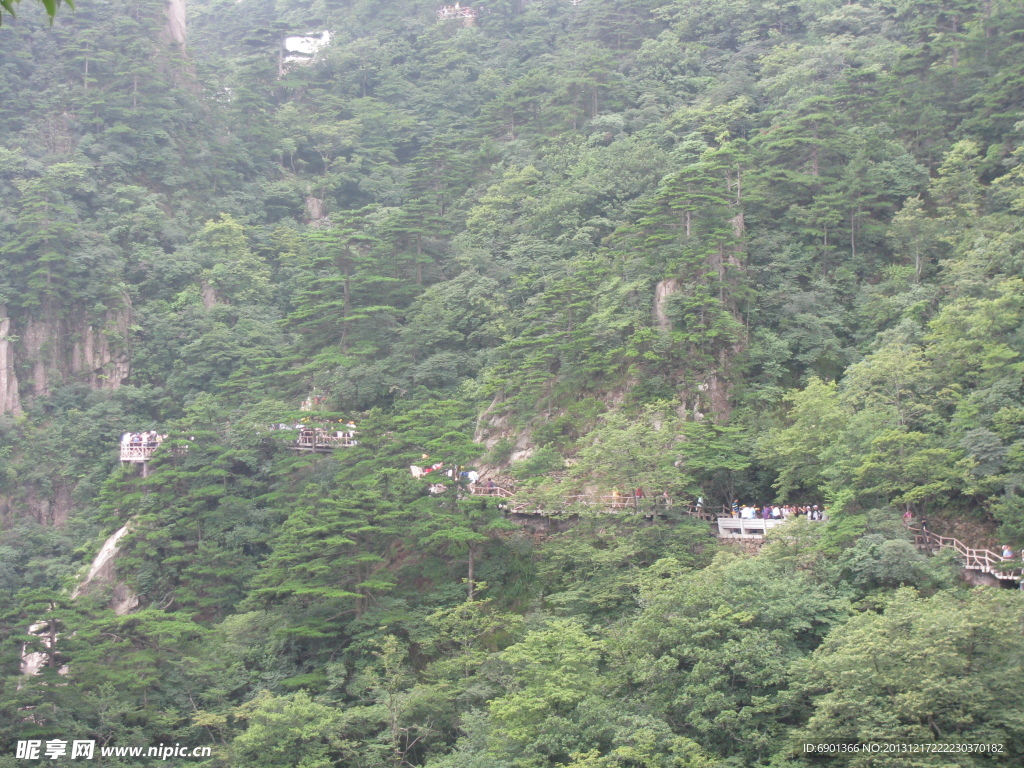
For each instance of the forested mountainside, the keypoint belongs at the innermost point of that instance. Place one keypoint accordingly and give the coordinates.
(728, 249)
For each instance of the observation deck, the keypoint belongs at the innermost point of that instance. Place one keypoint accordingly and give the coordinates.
(324, 441)
(741, 528)
(457, 11)
(138, 447)
(138, 452)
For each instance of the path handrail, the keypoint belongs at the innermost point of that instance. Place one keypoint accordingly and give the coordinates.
(475, 489)
(323, 440)
(138, 451)
(984, 560)
(621, 501)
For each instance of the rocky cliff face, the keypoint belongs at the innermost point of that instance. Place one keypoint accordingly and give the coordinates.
(103, 578)
(50, 507)
(662, 291)
(175, 29)
(9, 400)
(50, 347)
(41, 350)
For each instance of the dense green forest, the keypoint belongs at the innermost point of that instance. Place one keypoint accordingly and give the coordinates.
(731, 249)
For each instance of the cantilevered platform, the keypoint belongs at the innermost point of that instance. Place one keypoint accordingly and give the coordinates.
(739, 528)
(138, 452)
(322, 441)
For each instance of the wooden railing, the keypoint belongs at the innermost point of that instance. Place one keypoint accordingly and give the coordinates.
(984, 560)
(479, 489)
(650, 505)
(611, 503)
(606, 501)
(322, 440)
(138, 451)
(707, 513)
(455, 12)
(653, 504)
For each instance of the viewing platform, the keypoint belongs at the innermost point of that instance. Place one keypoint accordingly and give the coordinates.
(740, 528)
(323, 440)
(457, 11)
(138, 452)
(138, 447)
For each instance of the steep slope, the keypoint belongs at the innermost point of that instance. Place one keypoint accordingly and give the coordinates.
(727, 250)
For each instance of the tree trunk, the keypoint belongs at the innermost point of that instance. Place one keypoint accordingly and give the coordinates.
(347, 310)
(51, 657)
(419, 262)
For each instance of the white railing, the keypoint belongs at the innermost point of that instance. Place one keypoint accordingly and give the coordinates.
(480, 489)
(734, 527)
(984, 560)
(455, 12)
(138, 451)
(321, 439)
(607, 502)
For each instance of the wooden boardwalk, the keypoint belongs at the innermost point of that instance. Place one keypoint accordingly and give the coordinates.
(723, 524)
(607, 503)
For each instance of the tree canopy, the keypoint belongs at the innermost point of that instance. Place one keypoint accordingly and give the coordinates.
(612, 256)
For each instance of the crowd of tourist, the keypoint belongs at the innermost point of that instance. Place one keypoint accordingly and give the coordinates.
(776, 511)
(148, 439)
